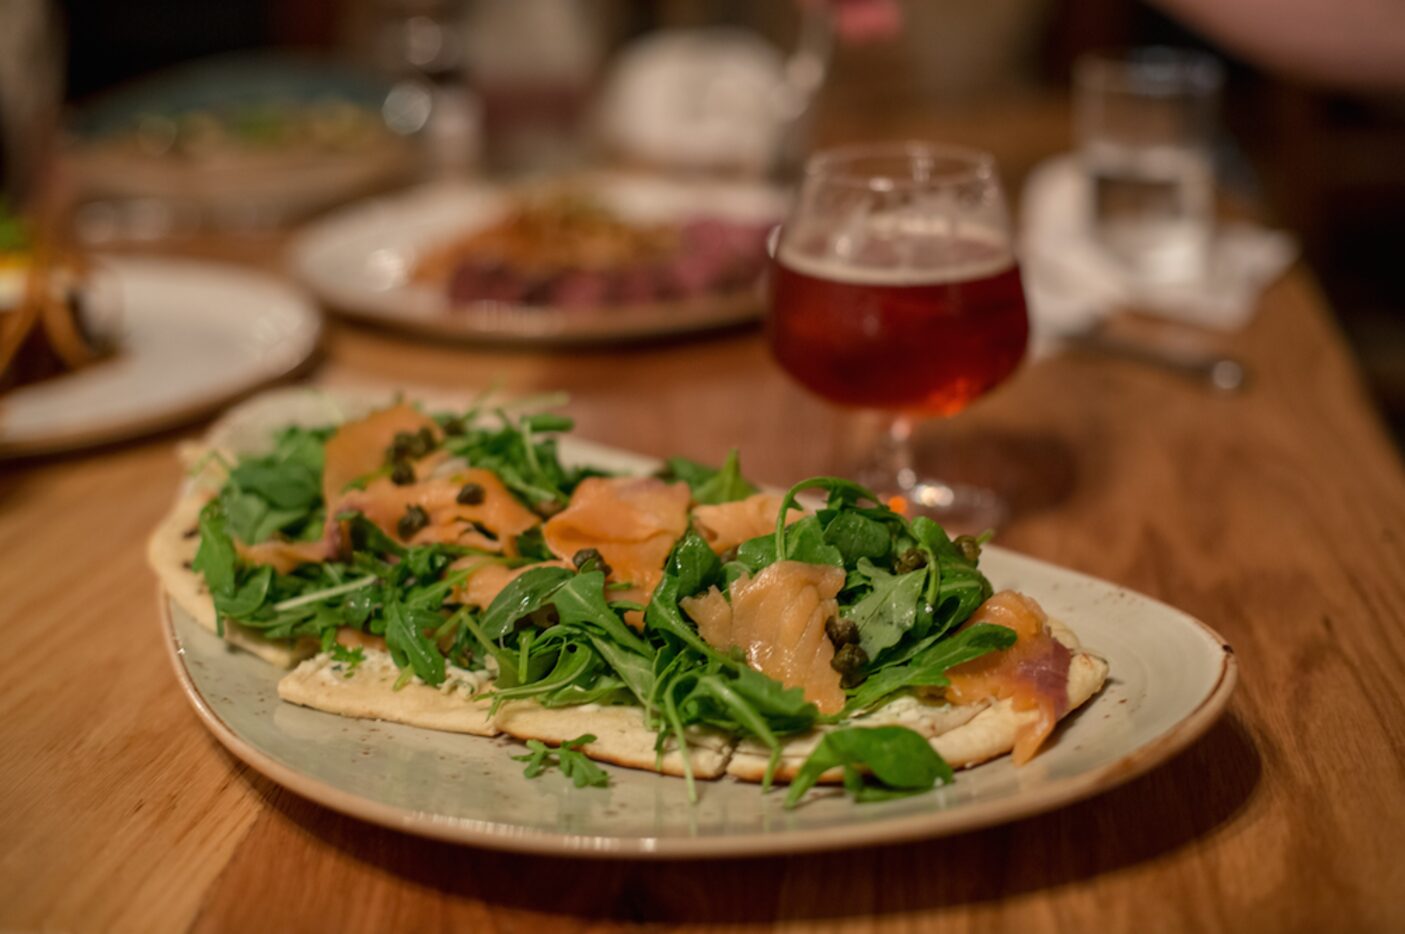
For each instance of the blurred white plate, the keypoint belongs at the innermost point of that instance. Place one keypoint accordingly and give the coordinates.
(193, 336)
(360, 260)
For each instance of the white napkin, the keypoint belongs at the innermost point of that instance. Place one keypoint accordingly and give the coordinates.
(1072, 283)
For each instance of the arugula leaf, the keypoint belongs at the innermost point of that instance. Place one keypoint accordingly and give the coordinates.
(366, 536)
(663, 616)
(573, 763)
(635, 672)
(693, 564)
(857, 537)
(215, 556)
(529, 466)
(531, 546)
(841, 492)
(572, 661)
(710, 485)
(898, 759)
(955, 586)
(547, 421)
(409, 646)
(928, 667)
(888, 610)
(580, 601)
(805, 542)
(350, 658)
(249, 596)
(285, 486)
(524, 595)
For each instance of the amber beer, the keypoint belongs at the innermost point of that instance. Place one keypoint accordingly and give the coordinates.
(928, 341)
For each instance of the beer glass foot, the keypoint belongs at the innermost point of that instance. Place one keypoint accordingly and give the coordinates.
(890, 470)
(959, 508)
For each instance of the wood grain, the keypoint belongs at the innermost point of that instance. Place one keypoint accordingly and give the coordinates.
(1278, 516)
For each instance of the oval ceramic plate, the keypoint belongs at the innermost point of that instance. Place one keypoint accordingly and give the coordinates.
(1170, 678)
(192, 337)
(359, 261)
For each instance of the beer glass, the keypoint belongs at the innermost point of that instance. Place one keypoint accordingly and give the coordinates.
(894, 287)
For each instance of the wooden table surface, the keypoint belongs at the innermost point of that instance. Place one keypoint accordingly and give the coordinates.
(1278, 516)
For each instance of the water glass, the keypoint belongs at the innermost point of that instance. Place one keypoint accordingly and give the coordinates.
(1145, 123)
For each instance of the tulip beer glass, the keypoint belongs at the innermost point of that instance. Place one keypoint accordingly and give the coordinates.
(894, 287)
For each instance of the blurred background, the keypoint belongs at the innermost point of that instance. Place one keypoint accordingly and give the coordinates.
(493, 85)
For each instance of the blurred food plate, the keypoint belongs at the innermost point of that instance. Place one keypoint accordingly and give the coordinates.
(241, 141)
(193, 336)
(594, 259)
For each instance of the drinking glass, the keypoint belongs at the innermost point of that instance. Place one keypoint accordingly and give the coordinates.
(1145, 122)
(894, 287)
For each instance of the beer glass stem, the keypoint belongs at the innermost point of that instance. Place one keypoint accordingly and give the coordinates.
(891, 472)
(897, 454)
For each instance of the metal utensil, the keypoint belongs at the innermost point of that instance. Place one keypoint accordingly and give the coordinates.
(1221, 373)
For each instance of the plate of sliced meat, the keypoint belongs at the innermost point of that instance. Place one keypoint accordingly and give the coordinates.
(461, 621)
(596, 258)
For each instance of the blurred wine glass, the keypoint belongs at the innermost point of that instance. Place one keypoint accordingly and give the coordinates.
(894, 287)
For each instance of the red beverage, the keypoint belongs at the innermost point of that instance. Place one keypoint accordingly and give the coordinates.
(913, 341)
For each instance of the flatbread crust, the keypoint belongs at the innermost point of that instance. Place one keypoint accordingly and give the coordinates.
(964, 736)
(368, 691)
(171, 549)
(621, 737)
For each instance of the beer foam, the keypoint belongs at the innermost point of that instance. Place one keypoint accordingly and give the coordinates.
(906, 265)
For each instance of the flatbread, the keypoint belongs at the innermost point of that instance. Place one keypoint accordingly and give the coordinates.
(963, 735)
(621, 737)
(368, 691)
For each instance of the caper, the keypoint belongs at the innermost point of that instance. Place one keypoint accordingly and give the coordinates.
(454, 426)
(407, 445)
(849, 660)
(400, 446)
(969, 547)
(471, 494)
(414, 519)
(910, 560)
(402, 474)
(841, 631)
(590, 559)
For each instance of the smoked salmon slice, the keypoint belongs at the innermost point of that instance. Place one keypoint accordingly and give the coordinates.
(632, 521)
(285, 557)
(777, 619)
(354, 450)
(726, 525)
(1032, 673)
(359, 447)
(492, 521)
